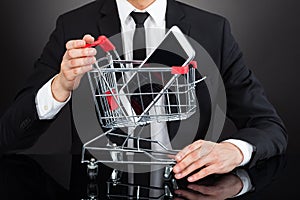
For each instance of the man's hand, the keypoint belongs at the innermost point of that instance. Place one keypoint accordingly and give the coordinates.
(76, 62)
(210, 157)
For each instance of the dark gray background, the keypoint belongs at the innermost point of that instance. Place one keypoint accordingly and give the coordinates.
(267, 31)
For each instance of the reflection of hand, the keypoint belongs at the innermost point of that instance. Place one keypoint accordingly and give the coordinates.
(226, 187)
(76, 62)
(210, 157)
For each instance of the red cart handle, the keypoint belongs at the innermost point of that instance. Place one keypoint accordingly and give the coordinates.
(184, 69)
(103, 42)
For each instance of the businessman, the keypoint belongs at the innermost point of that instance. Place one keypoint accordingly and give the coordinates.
(260, 135)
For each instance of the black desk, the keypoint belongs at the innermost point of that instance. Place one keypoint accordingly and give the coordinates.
(64, 177)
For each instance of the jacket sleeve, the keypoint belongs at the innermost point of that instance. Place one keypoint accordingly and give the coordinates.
(247, 105)
(20, 126)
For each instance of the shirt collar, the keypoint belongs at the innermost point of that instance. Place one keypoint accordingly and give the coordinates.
(157, 10)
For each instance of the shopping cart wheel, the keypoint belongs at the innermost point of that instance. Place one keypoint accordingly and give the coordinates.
(115, 176)
(168, 192)
(92, 169)
(168, 172)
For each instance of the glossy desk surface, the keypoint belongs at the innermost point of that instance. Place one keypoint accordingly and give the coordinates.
(64, 177)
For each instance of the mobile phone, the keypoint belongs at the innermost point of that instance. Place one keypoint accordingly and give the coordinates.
(174, 50)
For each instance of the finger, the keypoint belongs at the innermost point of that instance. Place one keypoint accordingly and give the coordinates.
(75, 44)
(187, 194)
(171, 155)
(78, 62)
(77, 53)
(208, 190)
(186, 161)
(72, 74)
(80, 71)
(193, 163)
(88, 38)
(203, 173)
(188, 149)
(191, 154)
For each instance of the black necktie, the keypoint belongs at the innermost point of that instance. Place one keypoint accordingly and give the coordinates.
(139, 39)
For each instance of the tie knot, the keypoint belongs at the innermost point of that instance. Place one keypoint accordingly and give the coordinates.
(139, 18)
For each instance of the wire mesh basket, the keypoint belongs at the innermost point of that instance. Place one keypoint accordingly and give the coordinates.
(136, 96)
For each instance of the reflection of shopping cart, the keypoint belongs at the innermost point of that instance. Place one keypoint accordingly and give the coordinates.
(117, 190)
(119, 186)
(132, 97)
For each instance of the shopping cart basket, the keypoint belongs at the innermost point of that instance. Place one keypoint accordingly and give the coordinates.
(132, 97)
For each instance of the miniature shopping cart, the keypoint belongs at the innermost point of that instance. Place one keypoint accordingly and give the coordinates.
(134, 97)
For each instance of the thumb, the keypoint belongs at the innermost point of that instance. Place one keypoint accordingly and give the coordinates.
(88, 38)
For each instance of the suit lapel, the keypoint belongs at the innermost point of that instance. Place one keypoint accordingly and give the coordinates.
(109, 23)
(176, 16)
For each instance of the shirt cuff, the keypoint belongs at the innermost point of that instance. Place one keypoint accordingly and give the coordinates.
(46, 105)
(245, 147)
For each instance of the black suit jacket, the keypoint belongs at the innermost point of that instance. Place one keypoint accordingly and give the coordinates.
(248, 107)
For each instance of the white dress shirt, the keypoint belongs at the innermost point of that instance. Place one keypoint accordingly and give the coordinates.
(48, 107)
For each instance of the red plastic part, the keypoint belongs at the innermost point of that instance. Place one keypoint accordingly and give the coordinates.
(194, 64)
(113, 105)
(96, 43)
(180, 69)
(103, 42)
